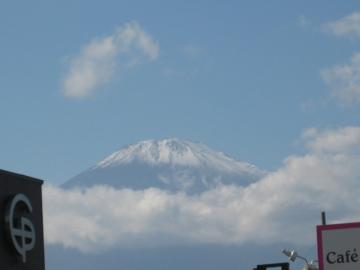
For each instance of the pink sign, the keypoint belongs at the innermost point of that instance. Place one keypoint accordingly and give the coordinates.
(339, 246)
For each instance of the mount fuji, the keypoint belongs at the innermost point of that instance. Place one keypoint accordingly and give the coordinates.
(170, 164)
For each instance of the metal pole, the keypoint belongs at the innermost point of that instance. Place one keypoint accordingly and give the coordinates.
(323, 218)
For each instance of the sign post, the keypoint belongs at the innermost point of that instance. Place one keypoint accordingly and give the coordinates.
(339, 246)
(21, 223)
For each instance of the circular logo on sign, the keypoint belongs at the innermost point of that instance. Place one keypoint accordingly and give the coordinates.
(20, 229)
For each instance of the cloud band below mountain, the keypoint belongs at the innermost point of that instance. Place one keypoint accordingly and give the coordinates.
(284, 206)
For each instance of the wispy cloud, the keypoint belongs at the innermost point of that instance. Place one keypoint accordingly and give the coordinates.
(344, 80)
(344, 140)
(348, 26)
(192, 50)
(283, 206)
(97, 60)
(303, 21)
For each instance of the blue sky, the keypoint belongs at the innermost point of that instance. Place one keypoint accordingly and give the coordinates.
(273, 83)
(244, 77)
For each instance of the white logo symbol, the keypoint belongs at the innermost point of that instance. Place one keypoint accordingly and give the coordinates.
(21, 230)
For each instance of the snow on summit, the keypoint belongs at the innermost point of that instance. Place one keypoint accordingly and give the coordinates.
(175, 152)
(168, 151)
(171, 164)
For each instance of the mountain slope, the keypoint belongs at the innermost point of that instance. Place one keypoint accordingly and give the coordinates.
(170, 164)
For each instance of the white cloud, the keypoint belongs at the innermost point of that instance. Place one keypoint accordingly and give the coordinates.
(344, 80)
(348, 26)
(95, 64)
(282, 207)
(344, 140)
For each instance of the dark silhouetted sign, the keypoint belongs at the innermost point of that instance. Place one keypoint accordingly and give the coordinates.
(21, 223)
(273, 266)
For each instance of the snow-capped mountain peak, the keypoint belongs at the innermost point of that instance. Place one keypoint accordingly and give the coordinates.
(174, 152)
(168, 151)
(171, 164)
